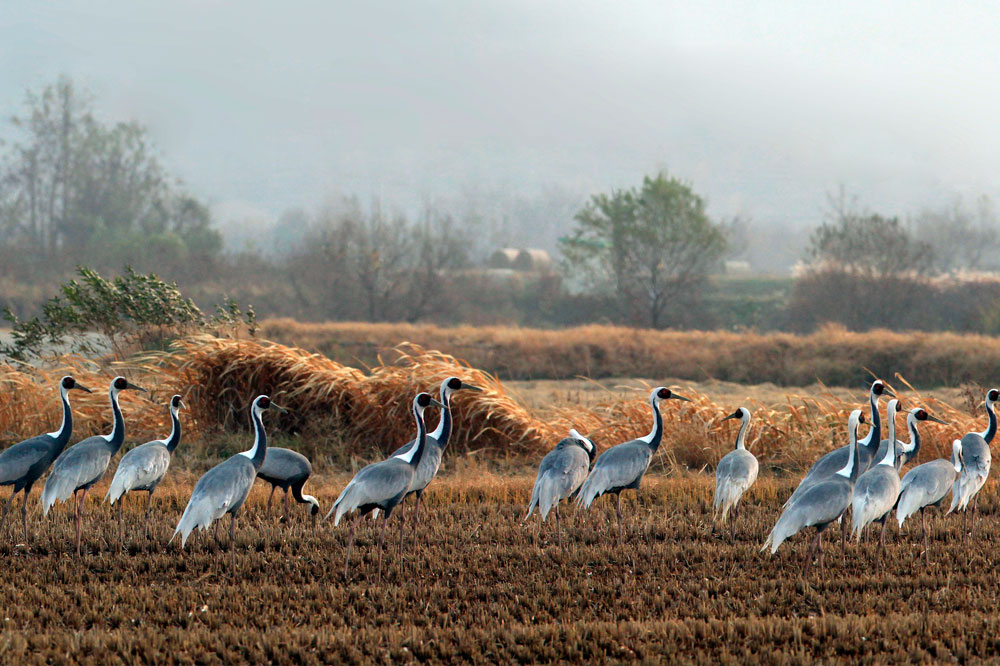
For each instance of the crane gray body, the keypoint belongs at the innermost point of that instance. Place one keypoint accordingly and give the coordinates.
(736, 471)
(144, 467)
(288, 470)
(560, 474)
(822, 503)
(976, 458)
(224, 488)
(835, 460)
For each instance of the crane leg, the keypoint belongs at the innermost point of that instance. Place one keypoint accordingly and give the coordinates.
(269, 498)
(6, 507)
(819, 548)
(24, 514)
(381, 544)
(810, 552)
(881, 536)
(350, 543)
(79, 521)
(843, 538)
(216, 533)
(618, 510)
(402, 521)
(232, 529)
(416, 510)
(975, 515)
(288, 510)
(923, 528)
(558, 532)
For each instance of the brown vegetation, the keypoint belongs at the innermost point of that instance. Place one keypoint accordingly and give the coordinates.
(482, 587)
(340, 411)
(833, 355)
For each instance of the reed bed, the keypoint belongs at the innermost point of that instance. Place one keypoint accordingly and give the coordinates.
(832, 355)
(349, 413)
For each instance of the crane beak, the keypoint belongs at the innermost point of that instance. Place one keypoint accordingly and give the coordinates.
(181, 405)
(130, 385)
(82, 387)
(679, 397)
(281, 409)
(437, 403)
(889, 392)
(931, 417)
(471, 387)
(732, 416)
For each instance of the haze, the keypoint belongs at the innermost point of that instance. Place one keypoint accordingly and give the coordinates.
(765, 108)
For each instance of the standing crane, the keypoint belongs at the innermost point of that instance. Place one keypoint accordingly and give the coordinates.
(224, 488)
(928, 485)
(735, 473)
(437, 442)
(822, 503)
(561, 473)
(84, 464)
(144, 467)
(382, 485)
(622, 467)
(22, 464)
(976, 461)
(830, 463)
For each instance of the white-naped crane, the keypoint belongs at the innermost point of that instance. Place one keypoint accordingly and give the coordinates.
(835, 460)
(382, 485)
(622, 467)
(288, 470)
(22, 464)
(143, 468)
(822, 503)
(560, 474)
(976, 461)
(84, 464)
(735, 473)
(437, 442)
(928, 485)
(224, 488)
(877, 490)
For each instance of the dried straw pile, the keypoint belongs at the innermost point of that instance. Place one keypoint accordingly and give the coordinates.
(30, 405)
(220, 377)
(490, 420)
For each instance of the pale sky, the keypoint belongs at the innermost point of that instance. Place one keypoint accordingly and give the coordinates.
(763, 106)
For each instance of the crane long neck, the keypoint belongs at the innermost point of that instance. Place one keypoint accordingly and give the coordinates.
(874, 436)
(174, 439)
(851, 469)
(890, 451)
(259, 450)
(741, 437)
(65, 431)
(418, 447)
(117, 435)
(443, 430)
(991, 429)
(913, 448)
(656, 434)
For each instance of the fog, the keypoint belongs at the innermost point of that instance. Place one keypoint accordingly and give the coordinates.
(523, 109)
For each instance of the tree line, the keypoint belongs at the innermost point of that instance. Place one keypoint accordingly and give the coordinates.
(75, 190)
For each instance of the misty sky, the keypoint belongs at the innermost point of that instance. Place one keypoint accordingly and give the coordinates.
(764, 107)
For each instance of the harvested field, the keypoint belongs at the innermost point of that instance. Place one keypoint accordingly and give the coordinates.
(481, 587)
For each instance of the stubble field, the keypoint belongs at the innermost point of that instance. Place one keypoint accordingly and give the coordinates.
(480, 586)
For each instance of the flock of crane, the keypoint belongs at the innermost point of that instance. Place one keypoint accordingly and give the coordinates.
(862, 476)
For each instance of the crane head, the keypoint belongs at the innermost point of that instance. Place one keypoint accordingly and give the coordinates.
(119, 384)
(879, 387)
(68, 384)
(663, 393)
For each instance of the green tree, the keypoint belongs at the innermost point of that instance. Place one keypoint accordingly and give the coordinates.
(652, 247)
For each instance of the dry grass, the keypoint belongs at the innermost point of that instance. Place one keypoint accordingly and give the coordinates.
(341, 412)
(481, 587)
(831, 355)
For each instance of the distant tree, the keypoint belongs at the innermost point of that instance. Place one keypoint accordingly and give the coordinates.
(964, 237)
(75, 187)
(651, 246)
(866, 271)
(369, 265)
